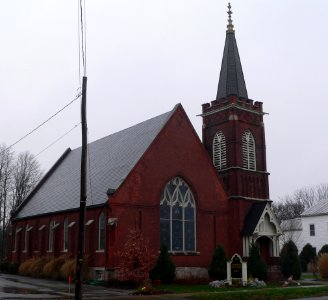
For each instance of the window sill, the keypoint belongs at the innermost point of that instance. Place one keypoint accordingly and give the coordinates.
(184, 253)
(100, 251)
(49, 251)
(24, 251)
(64, 251)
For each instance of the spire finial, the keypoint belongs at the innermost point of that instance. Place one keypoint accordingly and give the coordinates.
(230, 25)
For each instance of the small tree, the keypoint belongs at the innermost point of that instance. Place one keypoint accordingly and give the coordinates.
(324, 249)
(135, 258)
(164, 269)
(256, 267)
(290, 262)
(307, 255)
(218, 266)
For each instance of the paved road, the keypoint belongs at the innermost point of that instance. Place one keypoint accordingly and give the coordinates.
(20, 287)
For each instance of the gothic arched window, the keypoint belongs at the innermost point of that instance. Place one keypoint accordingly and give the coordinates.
(219, 151)
(178, 216)
(249, 156)
(101, 231)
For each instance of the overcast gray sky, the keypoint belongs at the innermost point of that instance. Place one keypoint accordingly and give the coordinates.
(144, 56)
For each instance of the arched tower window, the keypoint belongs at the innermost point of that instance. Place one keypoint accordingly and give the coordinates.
(65, 246)
(219, 151)
(249, 156)
(178, 216)
(101, 231)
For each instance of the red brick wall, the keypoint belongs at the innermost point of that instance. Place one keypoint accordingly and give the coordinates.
(177, 151)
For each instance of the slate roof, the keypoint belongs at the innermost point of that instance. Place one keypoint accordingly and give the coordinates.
(111, 160)
(231, 80)
(253, 217)
(321, 208)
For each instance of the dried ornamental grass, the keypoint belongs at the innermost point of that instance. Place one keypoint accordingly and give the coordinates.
(323, 265)
(37, 266)
(25, 267)
(52, 268)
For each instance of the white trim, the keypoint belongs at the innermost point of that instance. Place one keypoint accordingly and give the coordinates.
(42, 227)
(71, 224)
(89, 222)
(112, 221)
(232, 105)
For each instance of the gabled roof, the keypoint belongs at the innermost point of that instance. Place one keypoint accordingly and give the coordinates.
(321, 208)
(253, 217)
(256, 216)
(231, 80)
(291, 224)
(111, 159)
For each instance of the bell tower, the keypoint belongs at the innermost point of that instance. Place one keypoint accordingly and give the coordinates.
(233, 135)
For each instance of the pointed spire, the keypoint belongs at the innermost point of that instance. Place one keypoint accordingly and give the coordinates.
(231, 80)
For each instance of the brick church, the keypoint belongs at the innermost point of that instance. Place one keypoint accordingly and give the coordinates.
(159, 178)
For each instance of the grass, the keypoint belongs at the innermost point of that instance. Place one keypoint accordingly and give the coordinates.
(271, 292)
(264, 294)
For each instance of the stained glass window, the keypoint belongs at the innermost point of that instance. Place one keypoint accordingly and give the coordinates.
(177, 216)
(101, 231)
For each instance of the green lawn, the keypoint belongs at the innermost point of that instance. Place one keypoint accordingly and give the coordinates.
(272, 292)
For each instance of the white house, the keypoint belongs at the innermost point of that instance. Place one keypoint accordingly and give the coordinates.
(311, 228)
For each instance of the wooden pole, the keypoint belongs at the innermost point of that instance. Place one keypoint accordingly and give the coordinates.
(83, 195)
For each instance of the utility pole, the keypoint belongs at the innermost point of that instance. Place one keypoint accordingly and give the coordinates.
(83, 194)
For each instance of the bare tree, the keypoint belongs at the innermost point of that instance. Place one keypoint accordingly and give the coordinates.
(26, 175)
(6, 171)
(292, 206)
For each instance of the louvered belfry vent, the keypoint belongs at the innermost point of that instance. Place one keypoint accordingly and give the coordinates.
(249, 156)
(219, 151)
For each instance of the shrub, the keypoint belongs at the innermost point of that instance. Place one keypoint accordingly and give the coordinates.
(324, 249)
(13, 267)
(135, 258)
(307, 255)
(290, 263)
(68, 269)
(36, 268)
(25, 267)
(164, 269)
(323, 265)
(218, 266)
(256, 267)
(52, 267)
(4, 266)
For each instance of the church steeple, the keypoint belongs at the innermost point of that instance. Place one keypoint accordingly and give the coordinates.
(231, 80)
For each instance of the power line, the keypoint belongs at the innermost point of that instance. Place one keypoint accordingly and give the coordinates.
(46, 121)
(54, 142)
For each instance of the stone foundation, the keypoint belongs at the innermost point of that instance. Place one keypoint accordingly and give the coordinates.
(191, 273)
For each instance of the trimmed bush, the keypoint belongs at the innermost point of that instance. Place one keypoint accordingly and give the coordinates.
(164, 269)
(256, 267)
(307, 255)
(324, 249)
(218, 267)
(323, 265)
(290, 262)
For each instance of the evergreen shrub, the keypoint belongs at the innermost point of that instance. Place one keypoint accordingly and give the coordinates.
(164, 269)
(290, 262)
(324, 249)
(256, 267)
(218, 267)
(13, 267)
(4, 266)
(307, 255)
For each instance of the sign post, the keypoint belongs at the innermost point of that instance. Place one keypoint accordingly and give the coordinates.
(237, 269)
